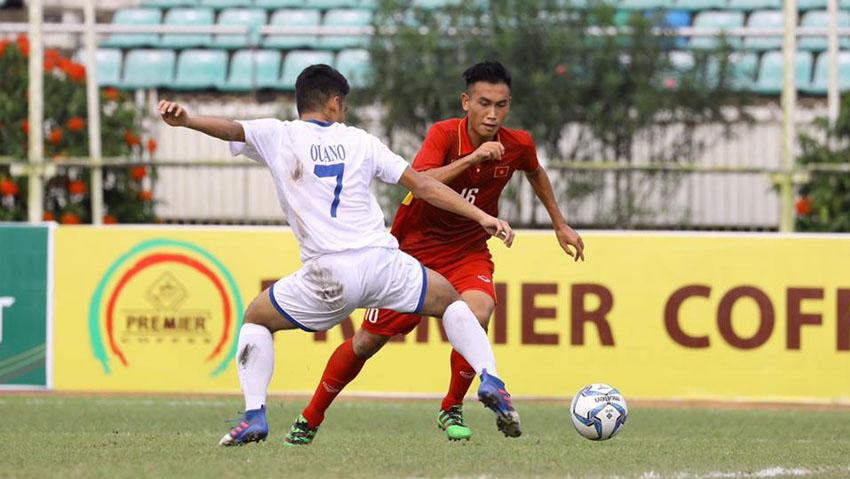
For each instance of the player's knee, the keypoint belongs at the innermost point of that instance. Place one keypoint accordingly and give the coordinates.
(483, 314)
(365, 345)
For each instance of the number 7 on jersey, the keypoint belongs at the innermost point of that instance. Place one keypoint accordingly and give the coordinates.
(329, 171)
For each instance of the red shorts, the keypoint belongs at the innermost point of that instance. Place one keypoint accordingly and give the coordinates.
(472, 274)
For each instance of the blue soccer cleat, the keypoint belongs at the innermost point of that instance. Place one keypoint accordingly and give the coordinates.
(251, 428)
(495, 397)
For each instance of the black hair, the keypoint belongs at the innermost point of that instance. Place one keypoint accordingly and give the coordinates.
(315, 85)
(489, 71)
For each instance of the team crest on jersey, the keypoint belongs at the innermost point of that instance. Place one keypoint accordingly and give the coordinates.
(501, 171)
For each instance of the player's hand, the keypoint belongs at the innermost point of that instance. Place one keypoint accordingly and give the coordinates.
(568, 237)
(172, 113)
(488, 151)
(498, 228)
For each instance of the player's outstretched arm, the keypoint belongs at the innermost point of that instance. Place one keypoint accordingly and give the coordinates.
(221, 128)
(567, 236)
(441, 196)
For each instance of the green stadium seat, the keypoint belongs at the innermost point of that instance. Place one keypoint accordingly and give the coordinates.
(253, 69)
(699, 5)
(804, 5)
(369, 4)
(356, 66)
(200, 69)
(187, 16)
(765, 19)
(645, 4)
(716, 19)
(748, 5)
(819, 18)
(820, 82)
(223, 4)
(331, 4)
(168, 3)
(345, 18)
(148, 69)
(844, 4)
(436, 4)
(134, 16)
(771, 72)
(108, 61)
(253, 18)
(276, 4)
(294, 18)
(744, 69)
(296, 61)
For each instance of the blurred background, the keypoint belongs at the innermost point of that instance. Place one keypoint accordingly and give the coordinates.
(649, 114)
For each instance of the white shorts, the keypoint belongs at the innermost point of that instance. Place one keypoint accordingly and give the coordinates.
(327, 289)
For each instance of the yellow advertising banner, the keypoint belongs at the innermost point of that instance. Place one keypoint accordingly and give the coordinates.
(700, 316)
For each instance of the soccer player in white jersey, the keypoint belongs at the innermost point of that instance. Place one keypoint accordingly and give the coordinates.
(322, 171)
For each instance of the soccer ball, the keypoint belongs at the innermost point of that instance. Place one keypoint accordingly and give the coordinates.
(599, 412)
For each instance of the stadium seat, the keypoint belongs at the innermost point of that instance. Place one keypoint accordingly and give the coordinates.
(765, 19)
(200, 69)
(645, 4)
(253, 69)
(108, 61)
(770, 75)
(276, 4)
(187, 16)
(331, 4)
(253, 18)
(716, 19)
(748, 5)
(294, 18)
(744, 69)
(369, 4)
(804, 5)
(820, 82)
(148, 69)
(435, 4)
(819, 18)
(844, 4)
(296, 61)
(168, 3)
(356, 66)
(134, 16)
(699, 5)
(345, 18)
(222, 4)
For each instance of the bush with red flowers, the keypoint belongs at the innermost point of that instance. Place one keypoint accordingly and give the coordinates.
(67, 195)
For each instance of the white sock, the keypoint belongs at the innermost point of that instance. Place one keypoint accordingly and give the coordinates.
(469, 338)
(255, 363)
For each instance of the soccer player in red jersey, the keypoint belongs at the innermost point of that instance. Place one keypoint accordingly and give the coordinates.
(476, 156)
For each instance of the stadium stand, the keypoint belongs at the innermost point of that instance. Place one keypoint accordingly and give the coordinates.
(297, 61)
(764, 19)
(716, 19)
(200, 69)
(354, 64)
(246, 17)
(821, 76)
(146, 68)
(135, 16)
(294, 18)
(188, 16)
(818, 18)
(769, 81)
(253, 69)
(345, 18)
(108, 64)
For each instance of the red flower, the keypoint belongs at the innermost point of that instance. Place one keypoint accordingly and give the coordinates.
(109, 219)
(111, 93)
(131, 138)
(25, 127)
(145, 195)
(561, 70)
(804, 206)
(77, 187)
(3, 44)
(55, 136)
(138, 173)
(51, 59)
(8, 187)
(76, 123)
(70, 219)
(670, 83)
(152, 146)
(75, 72)
(23, 45)
(48, 216)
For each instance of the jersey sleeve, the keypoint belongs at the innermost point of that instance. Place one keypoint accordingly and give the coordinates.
(530, 162)
(434, 150)
(261, 137)
(388, 166)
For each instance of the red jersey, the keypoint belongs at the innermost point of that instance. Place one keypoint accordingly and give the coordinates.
(437, 237)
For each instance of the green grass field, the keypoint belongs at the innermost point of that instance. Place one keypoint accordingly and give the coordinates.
(128, 437)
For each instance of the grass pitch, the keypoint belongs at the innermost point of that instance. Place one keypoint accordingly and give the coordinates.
(129, 437)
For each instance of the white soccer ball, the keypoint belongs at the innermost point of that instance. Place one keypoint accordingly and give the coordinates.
(599, 412)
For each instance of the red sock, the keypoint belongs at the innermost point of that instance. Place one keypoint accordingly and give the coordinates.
(462, 376)
(342, 368)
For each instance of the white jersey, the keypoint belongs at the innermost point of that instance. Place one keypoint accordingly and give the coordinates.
(323, 173)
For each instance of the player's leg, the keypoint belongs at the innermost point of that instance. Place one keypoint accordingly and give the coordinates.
(254, 366)
(379, 325)
(470, 340)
